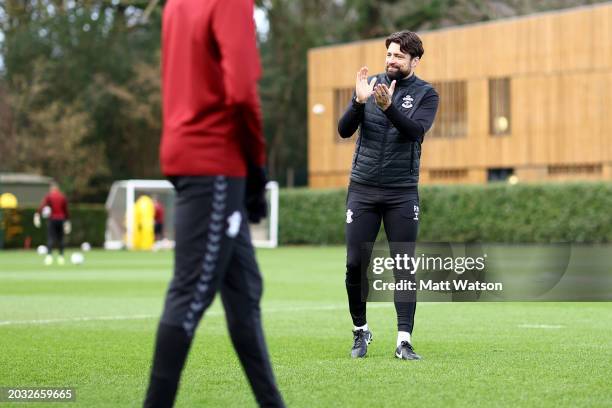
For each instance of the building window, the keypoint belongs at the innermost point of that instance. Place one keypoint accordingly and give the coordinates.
(499, 174)
(342, 98)
(451, 119)
(499, 106)
(574, 169)
(447, 174)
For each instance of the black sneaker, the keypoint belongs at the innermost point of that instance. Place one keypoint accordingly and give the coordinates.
(406, 352)
(361, 339)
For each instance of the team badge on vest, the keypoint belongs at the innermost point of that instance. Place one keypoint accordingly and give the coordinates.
(407, 101)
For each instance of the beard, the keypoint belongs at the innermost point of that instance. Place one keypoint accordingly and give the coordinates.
(397, 74)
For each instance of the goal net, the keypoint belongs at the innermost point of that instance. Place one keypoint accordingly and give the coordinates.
(123, 214)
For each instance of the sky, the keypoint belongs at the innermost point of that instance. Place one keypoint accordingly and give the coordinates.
(261, 22)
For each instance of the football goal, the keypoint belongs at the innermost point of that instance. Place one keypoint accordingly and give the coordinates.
(122, 212)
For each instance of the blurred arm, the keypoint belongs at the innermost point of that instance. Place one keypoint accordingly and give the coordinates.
(351, 119)
(234, 30)
(65, 208)
(43, 204)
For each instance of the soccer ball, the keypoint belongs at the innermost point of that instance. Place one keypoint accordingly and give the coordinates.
(42, 250)
(46, 212)
(85, 247)
(77, 258)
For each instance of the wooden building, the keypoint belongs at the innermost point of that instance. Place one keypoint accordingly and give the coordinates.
(528, 96)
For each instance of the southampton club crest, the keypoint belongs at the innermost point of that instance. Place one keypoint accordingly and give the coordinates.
(234, 221)
(349, 216)
(407, 102)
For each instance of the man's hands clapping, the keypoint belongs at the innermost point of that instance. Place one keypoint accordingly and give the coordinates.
(363, 89)
(384, 95)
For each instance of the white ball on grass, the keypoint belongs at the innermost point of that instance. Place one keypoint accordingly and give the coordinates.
(85, 247)
(42, 250)
(77, 258)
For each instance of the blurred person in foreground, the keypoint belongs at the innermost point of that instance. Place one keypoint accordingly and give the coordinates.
(54, 206)
(212, 150)
(393, 110)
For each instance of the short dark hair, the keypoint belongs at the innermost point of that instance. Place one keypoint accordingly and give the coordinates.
(409, 43)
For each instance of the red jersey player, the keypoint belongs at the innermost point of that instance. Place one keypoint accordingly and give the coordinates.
(56, 204)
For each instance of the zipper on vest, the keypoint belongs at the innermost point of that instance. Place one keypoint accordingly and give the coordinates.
(382, 157)
(384, 142)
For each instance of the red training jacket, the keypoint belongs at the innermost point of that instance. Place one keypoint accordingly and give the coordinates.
(58, 204)
(211, 110)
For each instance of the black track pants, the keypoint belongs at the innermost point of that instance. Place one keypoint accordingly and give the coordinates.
(55, 235)
(398, 209)
(213, 254)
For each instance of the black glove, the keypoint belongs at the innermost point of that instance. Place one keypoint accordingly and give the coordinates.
(255, 199)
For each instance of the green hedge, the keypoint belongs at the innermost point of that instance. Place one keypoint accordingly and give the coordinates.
(88, 225)
(539, 213)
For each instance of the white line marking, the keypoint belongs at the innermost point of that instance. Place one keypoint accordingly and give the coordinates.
(74, 319)
(145, 317)
(541, 326)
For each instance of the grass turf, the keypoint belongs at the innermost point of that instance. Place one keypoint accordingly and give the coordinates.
(92, 327)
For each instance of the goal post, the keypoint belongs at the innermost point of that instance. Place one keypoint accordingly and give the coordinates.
(265, 234)
(121, 209)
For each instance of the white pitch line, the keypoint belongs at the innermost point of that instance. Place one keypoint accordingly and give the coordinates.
(541, 326)
(144, 317)
(74, 319)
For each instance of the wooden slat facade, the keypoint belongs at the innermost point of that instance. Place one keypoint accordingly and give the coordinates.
(559, 67)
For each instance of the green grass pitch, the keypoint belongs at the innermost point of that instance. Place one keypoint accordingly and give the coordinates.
(92, 327)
